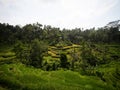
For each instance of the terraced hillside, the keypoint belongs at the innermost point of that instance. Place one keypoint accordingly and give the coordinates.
(17, 76)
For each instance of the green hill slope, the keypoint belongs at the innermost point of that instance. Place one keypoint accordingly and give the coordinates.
(19, 77)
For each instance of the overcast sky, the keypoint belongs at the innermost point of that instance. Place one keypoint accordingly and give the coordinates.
(60, 13)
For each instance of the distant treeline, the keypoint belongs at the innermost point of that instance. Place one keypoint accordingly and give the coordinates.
(9, 34)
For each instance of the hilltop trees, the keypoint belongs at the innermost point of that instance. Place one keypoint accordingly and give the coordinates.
(10, 34)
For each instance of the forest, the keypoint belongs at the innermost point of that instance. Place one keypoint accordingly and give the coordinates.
(42, 57)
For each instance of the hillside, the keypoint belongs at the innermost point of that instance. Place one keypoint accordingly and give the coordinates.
(37, 57)
(17, 76)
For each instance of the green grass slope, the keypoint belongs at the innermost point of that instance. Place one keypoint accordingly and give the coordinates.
(19, 77)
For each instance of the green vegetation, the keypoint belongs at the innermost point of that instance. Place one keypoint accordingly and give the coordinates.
(47, 58)
(18, 76)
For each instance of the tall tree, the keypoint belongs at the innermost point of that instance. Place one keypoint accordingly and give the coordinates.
(37, 51)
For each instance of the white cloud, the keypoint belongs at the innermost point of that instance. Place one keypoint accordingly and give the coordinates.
(63, 13)
(105, 7)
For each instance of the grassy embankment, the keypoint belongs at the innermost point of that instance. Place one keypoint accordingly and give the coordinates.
(16, 76)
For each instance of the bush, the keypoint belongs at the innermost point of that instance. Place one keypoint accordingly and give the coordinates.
(64, 61)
